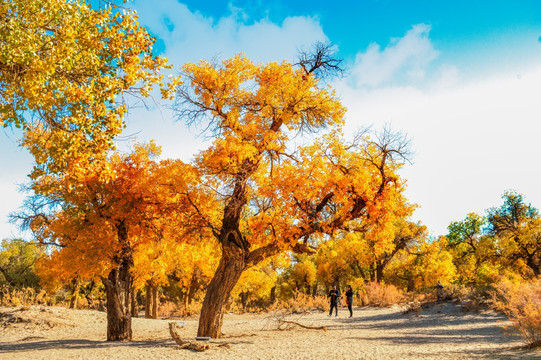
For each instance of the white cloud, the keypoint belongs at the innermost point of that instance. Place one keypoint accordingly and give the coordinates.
(189, 36)
(405, 58)
(473, 140)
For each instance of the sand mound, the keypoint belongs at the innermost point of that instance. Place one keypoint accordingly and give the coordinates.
(35, 317)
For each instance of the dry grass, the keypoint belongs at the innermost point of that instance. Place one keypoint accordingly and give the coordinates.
(22, 297)
(521, 302)
(382, 295)
(300, 303)
(168, 310)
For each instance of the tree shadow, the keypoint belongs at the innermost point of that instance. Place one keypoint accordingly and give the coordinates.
(75, 344)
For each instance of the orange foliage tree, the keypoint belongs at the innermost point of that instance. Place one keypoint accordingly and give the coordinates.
(275, 199)
(109, 211)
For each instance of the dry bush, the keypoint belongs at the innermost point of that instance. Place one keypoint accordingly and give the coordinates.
(169, 309)
(521, 302)
(22, 297)
(301, 303)
(473, 298)
(383, 295)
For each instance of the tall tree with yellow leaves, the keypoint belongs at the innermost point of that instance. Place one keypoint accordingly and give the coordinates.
(274, 198)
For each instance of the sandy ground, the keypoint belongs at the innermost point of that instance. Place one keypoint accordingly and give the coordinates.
(442, 331)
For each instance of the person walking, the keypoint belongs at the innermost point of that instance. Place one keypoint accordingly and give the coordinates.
(349, 299)
(334, 295)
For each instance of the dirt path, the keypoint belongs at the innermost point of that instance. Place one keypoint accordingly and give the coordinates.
(443, 331)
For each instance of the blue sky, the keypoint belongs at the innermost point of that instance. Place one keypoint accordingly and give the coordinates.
(461, 78)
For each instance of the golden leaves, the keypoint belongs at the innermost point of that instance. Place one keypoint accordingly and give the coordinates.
(64, 66)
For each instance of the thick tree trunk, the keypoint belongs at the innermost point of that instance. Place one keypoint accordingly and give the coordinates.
(235, 250)
(227, 274)
(118, 286)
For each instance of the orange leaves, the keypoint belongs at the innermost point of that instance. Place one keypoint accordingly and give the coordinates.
(252, 107)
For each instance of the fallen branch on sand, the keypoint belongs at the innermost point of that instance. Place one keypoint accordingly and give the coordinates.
(277, 321)
(196, 345)
(191, 345)
(303, 326)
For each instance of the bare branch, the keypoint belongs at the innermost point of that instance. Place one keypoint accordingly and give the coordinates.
(320, 60)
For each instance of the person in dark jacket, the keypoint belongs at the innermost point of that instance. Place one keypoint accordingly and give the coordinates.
(334, 295)
(349, 299)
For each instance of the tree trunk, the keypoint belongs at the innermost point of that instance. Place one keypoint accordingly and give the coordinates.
(533, 263)
(379, 272)
(134, 304)
(148, 301)
(151, 301)
(314, 289)
(411, 285)
(194, 285)
(155, 302)
(119, 285)
(235, 250)
(227, 274)
(244, 300)
(273, 295)
(74, 294)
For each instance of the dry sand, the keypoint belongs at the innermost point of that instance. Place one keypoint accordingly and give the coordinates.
(442, 331)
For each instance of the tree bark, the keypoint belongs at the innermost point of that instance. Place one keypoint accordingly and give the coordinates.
(379, 271)
(227, 274)
(244, 300)
(148, 301)
(194, 285)
(273, 295)
(533, 263)
(155, 302)
(74, 294)
(151, 301)
(134, 304)
(119, 285)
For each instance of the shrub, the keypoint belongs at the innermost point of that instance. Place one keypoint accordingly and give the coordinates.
(383, 295)
(169, 309)
(521, 302)
(300, 303)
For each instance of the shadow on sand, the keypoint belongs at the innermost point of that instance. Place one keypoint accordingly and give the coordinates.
(75, 344)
